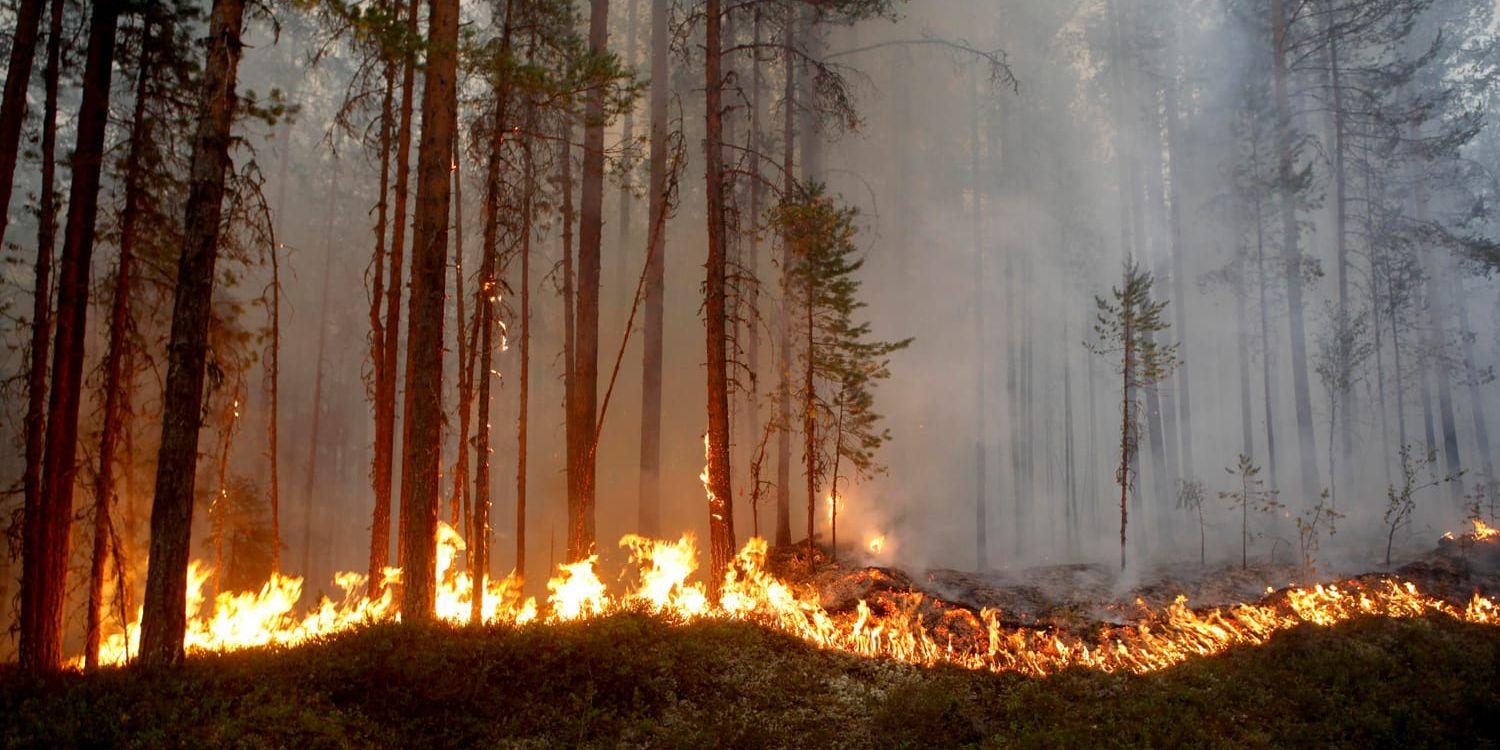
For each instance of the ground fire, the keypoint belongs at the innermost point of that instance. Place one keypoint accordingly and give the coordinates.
(664, 585)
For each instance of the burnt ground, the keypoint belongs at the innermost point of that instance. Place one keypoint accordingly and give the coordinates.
(1079, 597)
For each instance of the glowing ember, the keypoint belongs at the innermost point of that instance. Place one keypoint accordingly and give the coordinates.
(1160, 639)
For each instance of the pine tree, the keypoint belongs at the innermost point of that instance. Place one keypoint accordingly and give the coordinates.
(1127, 327)
(840, 363)
(164, 615)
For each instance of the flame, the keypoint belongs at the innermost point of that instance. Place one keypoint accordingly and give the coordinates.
(577, 592)
(905, 627)
(664, 570)
(1483, 531)
(877, 544)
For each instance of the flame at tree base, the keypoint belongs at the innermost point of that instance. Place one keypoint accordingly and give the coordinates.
(1160, 639)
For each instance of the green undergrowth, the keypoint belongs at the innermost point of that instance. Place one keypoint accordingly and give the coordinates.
(634, 681)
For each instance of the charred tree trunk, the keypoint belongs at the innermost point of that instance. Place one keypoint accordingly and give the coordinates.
(720, 498)
(164, 615)
(116, 389)
(648, 518)
(13, 106)
(422, 436)
(45, 570)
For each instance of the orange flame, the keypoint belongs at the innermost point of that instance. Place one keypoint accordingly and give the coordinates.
(899, 630)
(1483, 531)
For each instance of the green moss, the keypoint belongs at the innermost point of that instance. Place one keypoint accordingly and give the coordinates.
(634, 681)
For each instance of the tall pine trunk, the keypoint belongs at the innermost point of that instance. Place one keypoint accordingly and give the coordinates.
(784, 342)
(273, 420)
(164, 613)
(583, 412)
(385, 379)
(422, 436)
(34, 422)
(720, 499)
(116, 390)
(1472, 381)
(314, 442)
(648, 515)
(524, 396)
(1291, 252)
(570, 322)
(1176, 155)
(484, 309)
(1345, 397)
(1268, 373)
(981, 353)
(45, 569)
(751, 260)
(627, 131)
(466, 339)
(380, 467)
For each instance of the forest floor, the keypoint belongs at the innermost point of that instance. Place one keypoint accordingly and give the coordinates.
(634, 681)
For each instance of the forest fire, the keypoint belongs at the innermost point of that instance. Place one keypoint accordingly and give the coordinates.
(1483, 531)
(896, 629)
